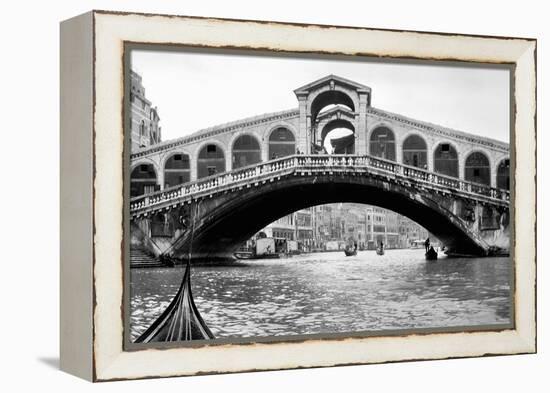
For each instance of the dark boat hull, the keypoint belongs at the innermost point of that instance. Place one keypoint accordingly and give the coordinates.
(350, 253)
(431, 256)
(181, 321)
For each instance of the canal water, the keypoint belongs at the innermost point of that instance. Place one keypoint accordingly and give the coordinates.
(329, 293)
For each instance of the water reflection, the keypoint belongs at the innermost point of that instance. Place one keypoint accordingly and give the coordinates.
(328, 292)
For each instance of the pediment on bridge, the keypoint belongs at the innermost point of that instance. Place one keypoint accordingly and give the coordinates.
(334, 80)
(336, 112)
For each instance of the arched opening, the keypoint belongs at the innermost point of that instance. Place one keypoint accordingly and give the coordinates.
(246, 151)
(477, 169)
(382, 143)
(281, 143)
(211, 161)
(415, 152)
(255, 208)
(143, 180)
(177, 170)
(329, 99)
(446, 160)
(503, 174)
(338, 137)
(142, 128)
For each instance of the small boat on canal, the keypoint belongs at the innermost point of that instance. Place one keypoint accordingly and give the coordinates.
(351, 249)
(244, 255)
(431, 254)
(380, 249)
(350, 252)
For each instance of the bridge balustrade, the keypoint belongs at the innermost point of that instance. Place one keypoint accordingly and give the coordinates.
(289, 163)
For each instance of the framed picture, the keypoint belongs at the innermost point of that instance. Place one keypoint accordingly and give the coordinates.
(248, 195)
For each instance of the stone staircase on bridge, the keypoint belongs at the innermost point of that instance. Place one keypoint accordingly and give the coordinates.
(141, 258)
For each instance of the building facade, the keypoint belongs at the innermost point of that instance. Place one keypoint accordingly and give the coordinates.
(296, 226)
(144, 118)
(366, 225)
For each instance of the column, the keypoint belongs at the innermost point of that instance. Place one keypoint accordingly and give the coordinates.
(361, 126)
(301, 142)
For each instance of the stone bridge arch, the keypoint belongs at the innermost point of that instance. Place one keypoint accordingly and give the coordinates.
(245, 148)
(501, 173)
(217, 235)
(347, 144)
(472, 162)
(221, 160)
(437, 153)
(414, 143)
(272, 141)
(383, 147)
(176, 170)
(145, 177)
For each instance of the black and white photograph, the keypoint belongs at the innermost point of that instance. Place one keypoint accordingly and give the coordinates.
(272, 197)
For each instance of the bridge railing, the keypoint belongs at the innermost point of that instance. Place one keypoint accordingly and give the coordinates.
(242, 176)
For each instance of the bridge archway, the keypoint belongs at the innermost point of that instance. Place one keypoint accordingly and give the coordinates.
(503, 174)
(415, 151)
(382, 143)
(253, 208)
(282, 143)
(210, 160)
(339, 135)
(477, 168)
(446, 159)
(329, 99)
(177, 170)
(245, 151)
(143, 179)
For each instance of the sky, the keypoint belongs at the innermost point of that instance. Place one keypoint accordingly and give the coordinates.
(196, 90)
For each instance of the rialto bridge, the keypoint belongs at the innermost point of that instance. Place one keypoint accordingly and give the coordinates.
(229, 181)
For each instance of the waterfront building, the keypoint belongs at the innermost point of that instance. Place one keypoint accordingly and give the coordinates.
(296, 226)
(144, 118)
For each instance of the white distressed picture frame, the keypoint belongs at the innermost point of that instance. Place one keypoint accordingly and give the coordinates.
(92, 205)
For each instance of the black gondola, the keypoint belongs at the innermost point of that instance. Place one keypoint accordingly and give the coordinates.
(431, 254)
(181, 321)
(351, 251)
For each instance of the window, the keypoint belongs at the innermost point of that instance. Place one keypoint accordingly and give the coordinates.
(211, 148)
(445, 148)
(142, 128)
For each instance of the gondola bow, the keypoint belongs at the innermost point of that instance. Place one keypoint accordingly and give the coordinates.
(181, 321)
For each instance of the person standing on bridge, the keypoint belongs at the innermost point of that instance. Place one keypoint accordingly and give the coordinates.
(427, 244)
